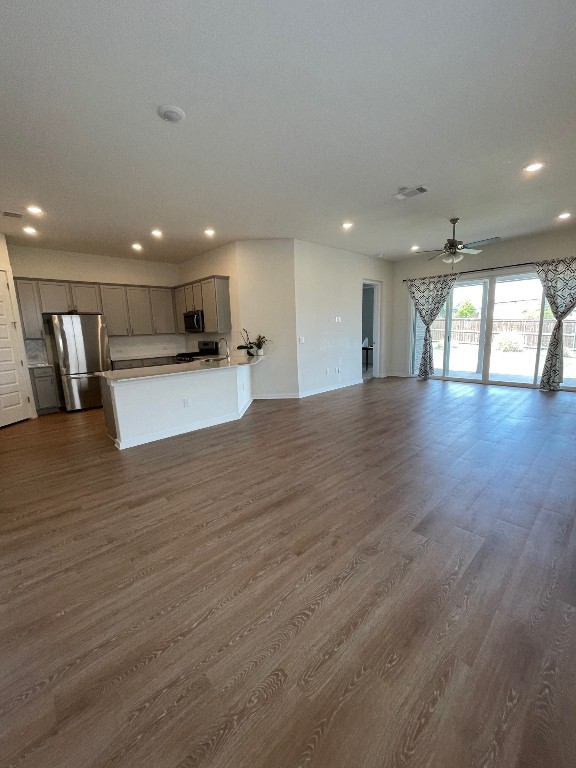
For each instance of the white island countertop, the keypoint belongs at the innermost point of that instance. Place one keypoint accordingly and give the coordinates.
(142, 405)
(198, 366)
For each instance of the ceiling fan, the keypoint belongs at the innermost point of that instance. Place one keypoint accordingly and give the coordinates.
(454, 250)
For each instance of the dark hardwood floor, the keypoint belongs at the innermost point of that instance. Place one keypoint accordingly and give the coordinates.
(380, 576)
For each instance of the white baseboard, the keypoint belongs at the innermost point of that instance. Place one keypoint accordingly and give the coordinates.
(276, 396)
(330, 389)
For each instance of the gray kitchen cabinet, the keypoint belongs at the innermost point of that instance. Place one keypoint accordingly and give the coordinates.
(216, 305)
(86, 297)
(123, 365)
(45, 390)
(198, 296)
(30, 312)
(139, 311)
(55, 297)
(115, 309)
(162, 303)
(180, 307)
(150, 361)
(188, 290)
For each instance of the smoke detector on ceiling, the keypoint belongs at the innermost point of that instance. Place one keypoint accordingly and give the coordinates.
(404, 192)
(171, 114)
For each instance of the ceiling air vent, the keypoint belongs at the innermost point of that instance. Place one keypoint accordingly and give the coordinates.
(404, 192)
(12, 215)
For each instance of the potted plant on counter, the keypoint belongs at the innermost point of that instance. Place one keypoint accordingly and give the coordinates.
(259, 344)
(247, 344)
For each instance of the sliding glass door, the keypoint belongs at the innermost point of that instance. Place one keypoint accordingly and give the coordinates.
(467, 331)
(516, 329)
(496, 330)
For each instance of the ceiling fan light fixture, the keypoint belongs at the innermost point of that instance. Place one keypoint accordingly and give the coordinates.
(452, 258)
(533, 167)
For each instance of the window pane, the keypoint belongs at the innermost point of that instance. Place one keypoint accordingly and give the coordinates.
(570, 350)
(467, 331)
(517, 305)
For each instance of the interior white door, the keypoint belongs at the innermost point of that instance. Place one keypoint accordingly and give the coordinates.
(13, 397)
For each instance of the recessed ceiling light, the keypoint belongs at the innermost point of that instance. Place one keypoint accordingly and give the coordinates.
(347, 224)
(209, 232)
(156, 233)
(171, 114)
(136, 246)
(30, 231)
(34, 210)
(565, 215)
(415, 248)
(533, 167)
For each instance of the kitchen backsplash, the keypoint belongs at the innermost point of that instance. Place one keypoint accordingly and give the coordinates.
(36, 352)
(130, 347)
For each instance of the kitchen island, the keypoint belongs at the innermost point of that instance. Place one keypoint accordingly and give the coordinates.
(146, 404)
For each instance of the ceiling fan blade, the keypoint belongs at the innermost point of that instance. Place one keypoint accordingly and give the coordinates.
(482, 242)
(469, 250)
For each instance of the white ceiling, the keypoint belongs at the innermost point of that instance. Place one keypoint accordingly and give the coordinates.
(300, 115)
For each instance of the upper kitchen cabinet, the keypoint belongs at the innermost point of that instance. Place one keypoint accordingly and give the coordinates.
(139, 311)
(189, 293)
(115, 310)
(55, 297)
(197, 294)
(86, 297)
(162, 302)
(180, 307)
(30, 312)
(216, 305)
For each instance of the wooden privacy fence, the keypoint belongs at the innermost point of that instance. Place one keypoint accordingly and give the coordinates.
(466, 330)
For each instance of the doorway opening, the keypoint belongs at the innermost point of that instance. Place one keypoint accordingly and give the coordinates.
(370, 329)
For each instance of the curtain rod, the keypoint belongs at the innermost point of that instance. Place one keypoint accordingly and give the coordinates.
(484, 269)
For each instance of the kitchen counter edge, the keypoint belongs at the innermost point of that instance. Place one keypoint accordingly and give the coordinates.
(176, 369)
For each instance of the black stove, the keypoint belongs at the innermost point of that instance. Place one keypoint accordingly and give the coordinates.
(205, 349)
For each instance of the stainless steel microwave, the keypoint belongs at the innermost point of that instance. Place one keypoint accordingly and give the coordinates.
(194, 321)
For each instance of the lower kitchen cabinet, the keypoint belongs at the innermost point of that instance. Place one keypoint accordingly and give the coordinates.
(45, 390)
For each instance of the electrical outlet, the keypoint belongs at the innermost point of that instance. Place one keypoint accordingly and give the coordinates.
(300, 339)
(188, 402)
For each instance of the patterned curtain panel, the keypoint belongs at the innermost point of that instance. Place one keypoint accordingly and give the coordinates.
(428, 295)
(559, 280)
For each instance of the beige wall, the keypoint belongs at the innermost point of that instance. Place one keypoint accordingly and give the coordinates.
(329, 285)
(551, 245)
(267, 307)
(62, 265)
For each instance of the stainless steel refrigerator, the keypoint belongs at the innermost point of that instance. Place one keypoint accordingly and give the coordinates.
(80, 349)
